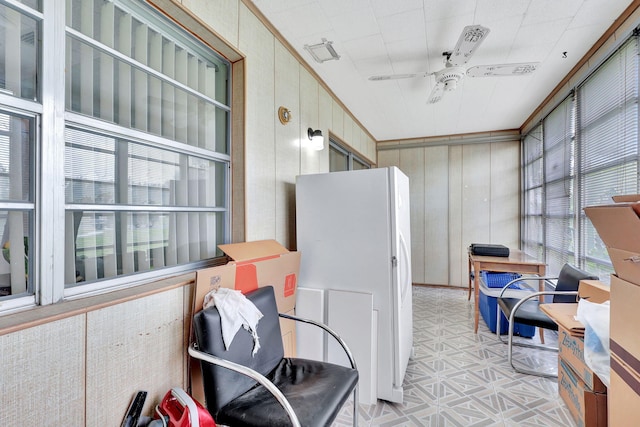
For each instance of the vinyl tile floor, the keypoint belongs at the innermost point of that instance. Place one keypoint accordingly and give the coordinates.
(459, 378)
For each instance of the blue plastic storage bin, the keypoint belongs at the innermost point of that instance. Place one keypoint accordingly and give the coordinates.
(497, 280)
(488, 308)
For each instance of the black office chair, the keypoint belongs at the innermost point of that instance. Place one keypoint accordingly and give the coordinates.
(268, 390)
(527, 311)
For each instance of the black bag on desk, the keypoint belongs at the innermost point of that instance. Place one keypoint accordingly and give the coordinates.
(487, 249)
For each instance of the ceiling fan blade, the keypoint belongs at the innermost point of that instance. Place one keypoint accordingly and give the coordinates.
(436, 93)
(471, 37)
(498, 70)
(396, 76)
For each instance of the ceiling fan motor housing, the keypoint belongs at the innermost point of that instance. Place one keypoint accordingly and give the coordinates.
(450, 77)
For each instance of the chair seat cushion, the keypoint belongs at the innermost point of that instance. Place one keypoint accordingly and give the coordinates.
(304, 383)
(528, 313)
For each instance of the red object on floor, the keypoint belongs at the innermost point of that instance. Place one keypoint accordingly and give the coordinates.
(184, 411)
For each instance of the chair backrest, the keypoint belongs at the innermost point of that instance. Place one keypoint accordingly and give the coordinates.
(569, 280)
(222, 385)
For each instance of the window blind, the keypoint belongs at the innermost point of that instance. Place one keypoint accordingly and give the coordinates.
(559, 182)
(608, 151)
(532, 230)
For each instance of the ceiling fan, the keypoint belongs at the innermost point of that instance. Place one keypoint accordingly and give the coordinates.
(447, 78)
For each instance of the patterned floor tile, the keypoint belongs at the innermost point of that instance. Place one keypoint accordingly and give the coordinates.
(462, 379)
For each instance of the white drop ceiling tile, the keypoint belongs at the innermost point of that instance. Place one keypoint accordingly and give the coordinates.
(355, 24)
(339, 7)
(402, 26)
(487, 10)
(409, 57)
(538, 53)
(592, 12)
(416, 88)
(547, 33)
(386, 8)
(541, 11)
(365, 47)
(443, 10)
(576, 42)
(300, 20)
(374, 66)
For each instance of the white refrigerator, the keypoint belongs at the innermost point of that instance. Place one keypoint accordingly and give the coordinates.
(353, 232)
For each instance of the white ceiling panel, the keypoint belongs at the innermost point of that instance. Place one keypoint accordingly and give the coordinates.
(402, 26)
(384, 8)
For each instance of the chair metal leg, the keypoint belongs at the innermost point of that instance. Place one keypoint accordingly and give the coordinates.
(510, 352)
(356, 406)
(498, 321)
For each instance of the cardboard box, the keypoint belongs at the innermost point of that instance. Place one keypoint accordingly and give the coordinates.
(624, 395)
(266, 262)
(619, 228)
(624, 387)
(588, 408)
(254, 264)
(624, 339)
(594, 291)
(571, 350)
(626, 198)
(564, 314)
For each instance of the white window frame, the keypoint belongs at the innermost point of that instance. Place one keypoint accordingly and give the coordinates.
(50, 113)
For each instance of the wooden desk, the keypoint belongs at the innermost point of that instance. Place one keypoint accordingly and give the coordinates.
(516, 262)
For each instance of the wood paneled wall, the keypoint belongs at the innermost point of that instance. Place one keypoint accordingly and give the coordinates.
(460, 194)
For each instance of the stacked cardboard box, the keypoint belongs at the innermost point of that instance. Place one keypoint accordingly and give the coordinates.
(579, 387)
(618, 225)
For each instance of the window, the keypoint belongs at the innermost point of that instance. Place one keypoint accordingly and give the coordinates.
(16, 202)
(145, 143)
(342, 159)
(589, 146)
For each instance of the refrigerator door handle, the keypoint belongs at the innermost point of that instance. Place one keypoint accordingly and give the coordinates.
(406, 266)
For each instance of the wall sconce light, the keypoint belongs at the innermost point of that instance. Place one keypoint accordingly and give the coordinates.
(316, 138)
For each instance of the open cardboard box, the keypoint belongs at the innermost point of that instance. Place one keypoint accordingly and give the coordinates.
(254, 264)
(564, 314)
(618, 226)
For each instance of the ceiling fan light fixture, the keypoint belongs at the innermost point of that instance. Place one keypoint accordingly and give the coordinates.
(322, 52)
(450, 85)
